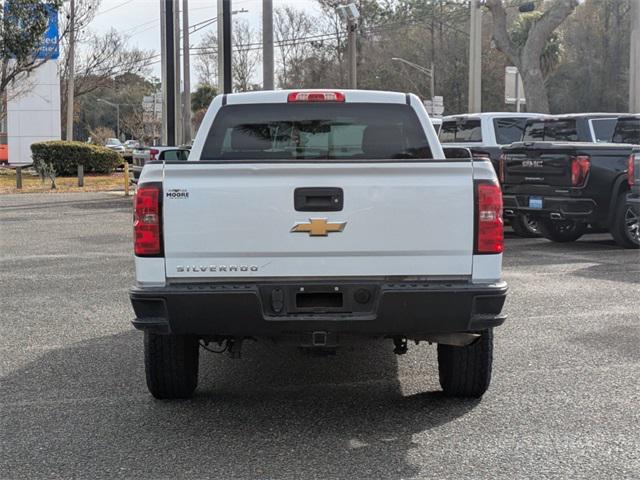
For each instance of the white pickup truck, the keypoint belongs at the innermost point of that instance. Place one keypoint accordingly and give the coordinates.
(315, 218)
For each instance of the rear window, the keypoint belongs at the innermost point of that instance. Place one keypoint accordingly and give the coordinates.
(454, 131)
(603, 129)
(627, 131)
(327, 131)
(508, 130)
(174, 155)
(563, 130)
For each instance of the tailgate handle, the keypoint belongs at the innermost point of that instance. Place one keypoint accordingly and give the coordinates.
(318, 199)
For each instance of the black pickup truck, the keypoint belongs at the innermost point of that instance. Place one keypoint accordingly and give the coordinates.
(567, 184)
(627, 130)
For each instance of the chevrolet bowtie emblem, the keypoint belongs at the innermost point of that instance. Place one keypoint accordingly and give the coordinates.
(318, 227)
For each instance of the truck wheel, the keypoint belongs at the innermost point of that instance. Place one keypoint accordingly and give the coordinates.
(626, 225)
(525, 226)
(466, 371)
(171, 365)
(562, 230)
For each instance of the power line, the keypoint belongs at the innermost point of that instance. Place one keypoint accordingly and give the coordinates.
(115, 7)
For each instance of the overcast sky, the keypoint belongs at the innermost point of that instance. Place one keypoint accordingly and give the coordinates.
(140, 20)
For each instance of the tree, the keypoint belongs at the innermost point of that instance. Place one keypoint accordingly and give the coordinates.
(98, 60)
(245, 57)
(23, 25)
(126, 90)
(291, 26)
(206, 60)
(202, 97)
(528, 56)
(200, 101)
(592, 74)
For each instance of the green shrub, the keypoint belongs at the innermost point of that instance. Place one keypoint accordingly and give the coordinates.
(65, 157)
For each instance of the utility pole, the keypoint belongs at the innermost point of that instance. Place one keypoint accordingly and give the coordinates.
(432, 83)
(634, 64)
(169, 75)
(176, 50)
(350, 14)
(226, 46)
(518, 94)
(163, 74)
(220, 43)
(475, 58)
(71, 64)
(186, 99)
(267, 45)
(352, 25)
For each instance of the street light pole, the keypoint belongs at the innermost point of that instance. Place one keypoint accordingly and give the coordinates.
(352, 26)
(350, 14)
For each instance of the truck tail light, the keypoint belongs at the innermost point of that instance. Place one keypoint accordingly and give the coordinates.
(580, 166)
(153, 154)
(631, 168)
(147, 221)
(294, 97)
(501, 167)
(489, 224)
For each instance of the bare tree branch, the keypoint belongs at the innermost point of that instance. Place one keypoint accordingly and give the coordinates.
(500, 33)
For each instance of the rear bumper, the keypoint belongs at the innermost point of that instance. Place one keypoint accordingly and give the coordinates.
(411, 310)
(582, 209)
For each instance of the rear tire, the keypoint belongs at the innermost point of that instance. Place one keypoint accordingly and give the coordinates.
(626, 224)
(466, 371)
(171, 365)
(562, 231)
(525, 226)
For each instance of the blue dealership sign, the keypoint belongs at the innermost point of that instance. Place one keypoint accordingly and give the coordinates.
(51, 45)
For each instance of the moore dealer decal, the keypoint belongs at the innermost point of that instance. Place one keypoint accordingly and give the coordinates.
(177, 193)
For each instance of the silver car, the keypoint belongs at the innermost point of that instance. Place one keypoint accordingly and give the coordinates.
(115, 145)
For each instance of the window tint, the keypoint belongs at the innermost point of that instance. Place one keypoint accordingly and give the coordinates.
(508, 130)
(319, 131)
(627, 131)
(562, 130)
(175, 155)
(603, 128)
(461, 131)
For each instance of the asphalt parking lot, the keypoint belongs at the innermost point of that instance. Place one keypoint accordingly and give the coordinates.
(564, 400)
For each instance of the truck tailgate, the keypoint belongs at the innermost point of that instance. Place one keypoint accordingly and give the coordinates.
(541, 163)
(235, 220)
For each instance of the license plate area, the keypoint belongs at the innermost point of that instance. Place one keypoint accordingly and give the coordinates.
(318, 299)
(535, 202)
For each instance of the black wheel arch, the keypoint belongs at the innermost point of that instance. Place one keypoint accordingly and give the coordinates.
(620, 185)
